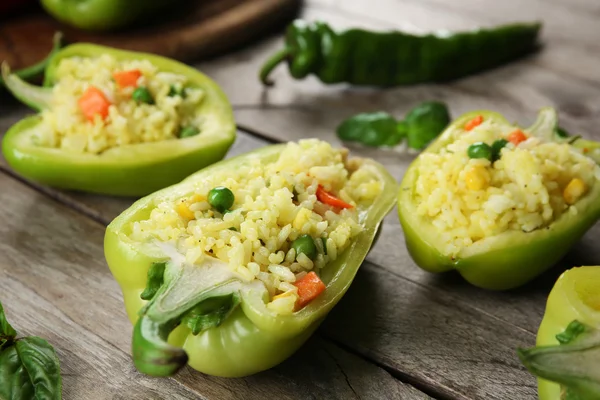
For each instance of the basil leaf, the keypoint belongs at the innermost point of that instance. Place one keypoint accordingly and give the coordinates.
(156, 276)
(370, 129)
(29, 367)
(7, 332)
(211, 312)
(425, 122)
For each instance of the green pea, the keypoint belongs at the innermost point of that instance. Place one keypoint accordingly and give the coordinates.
(188, 131)
(497, 147)
(142, 95)
(305, 244)
(480, 150)
(221, 198)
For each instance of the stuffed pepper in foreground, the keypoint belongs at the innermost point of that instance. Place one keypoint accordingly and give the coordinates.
(498, 203)
(567, 359)
(232, 269)
(117, 122)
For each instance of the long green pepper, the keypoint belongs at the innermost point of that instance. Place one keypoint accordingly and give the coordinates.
(394, 58)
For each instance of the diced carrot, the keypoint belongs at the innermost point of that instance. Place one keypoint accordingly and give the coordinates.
(325, 197)
(93, 102)
(473, 123)
(517, 137)
(309, 287)
(127, 78)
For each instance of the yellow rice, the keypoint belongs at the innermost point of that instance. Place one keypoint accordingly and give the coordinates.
(64, 125)
(266, 218)
(470, 199)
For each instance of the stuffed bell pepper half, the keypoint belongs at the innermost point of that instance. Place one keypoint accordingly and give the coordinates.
(232, 269)
(117, 122)
(498, 203)
(567, 356)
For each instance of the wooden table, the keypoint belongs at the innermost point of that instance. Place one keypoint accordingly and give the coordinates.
(399, 332)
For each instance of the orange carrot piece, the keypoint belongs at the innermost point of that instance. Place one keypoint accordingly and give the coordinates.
(127, 78)
(517, 137)
(474, 122)
(93, 102)
(327, 198)
(309, 287)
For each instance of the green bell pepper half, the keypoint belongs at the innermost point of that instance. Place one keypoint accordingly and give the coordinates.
(567, 356)
(101, 15)
(128, 170)
(507, 260)
(234, 341)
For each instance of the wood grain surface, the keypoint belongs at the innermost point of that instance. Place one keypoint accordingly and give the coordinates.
(200, 30)
(398, 326)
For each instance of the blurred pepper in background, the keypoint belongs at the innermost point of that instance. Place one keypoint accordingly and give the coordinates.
(102, 15)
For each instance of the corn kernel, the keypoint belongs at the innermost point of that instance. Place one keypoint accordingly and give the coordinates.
(574, 190)
(184, 211)
(477, 178)
(301, 219)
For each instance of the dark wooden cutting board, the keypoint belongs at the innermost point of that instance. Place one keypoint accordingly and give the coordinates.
(203, 29)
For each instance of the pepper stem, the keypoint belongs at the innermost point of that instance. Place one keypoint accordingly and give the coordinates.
(185, 287)
(36, 97)
(37, 69)
(270, 65)
(576, 365)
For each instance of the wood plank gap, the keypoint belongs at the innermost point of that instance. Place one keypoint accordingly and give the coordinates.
(405, 378)
(56, 195)
(449, 294)
(256, 134)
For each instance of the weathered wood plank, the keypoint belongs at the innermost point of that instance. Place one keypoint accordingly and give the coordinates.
(430, 339)
(55, 284)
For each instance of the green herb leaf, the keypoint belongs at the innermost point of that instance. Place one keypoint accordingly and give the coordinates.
(211, 312)
(7, 332)
(573, 331)
(562, 132)
(371, 129)
(156, 275)
(425, 122)
(29, 367)
(573, 364)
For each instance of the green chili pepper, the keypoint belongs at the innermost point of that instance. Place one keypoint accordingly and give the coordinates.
(361, 57)
(422, 124)
(567, 356)
(498, 264)
(101, 15)
(132, 170)
(236, 334)
(36, 70)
